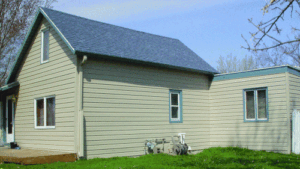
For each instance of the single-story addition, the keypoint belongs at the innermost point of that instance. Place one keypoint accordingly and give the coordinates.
(100, 90)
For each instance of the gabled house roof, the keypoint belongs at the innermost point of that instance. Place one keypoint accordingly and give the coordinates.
(85, 36)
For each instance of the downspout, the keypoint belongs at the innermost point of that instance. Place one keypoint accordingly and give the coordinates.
(84, 59)
(80, 107)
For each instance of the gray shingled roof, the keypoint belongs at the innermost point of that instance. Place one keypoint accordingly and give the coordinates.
(93, 38)
(89, 36)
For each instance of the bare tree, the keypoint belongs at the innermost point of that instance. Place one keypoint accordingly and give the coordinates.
(248, 63)
(281, 55)
(265, 29)
(230, 64)
(15, 18)
(293, 52)
(227, 64)
(269, 58)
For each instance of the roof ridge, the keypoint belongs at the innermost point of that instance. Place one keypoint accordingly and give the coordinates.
(109, 24)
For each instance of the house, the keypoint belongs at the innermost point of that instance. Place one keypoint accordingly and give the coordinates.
(101, 90)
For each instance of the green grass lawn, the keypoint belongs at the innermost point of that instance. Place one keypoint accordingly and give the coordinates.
(231, 157)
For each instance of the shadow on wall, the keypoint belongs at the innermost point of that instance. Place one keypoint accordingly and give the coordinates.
(4, 94)
(64, 47)
(258, 137)
(294, 106)
(143, 75)
(84, 136)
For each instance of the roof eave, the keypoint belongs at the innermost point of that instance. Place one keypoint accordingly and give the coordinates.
(116, 58)
(28, 38)
(22, 48)
(57, 30)
(9, 86)
(257, 72)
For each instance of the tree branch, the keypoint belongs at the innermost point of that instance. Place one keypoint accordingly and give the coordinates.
(279, 16)
(263, 31)
(274, 46)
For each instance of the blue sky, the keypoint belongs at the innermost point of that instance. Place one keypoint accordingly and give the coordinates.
(209, 27)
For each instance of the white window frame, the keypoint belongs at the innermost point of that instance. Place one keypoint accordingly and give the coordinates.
(45, 113)
(42, 46)
(178, 93)
(255, 119)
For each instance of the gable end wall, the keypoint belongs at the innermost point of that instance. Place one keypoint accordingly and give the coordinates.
(57, 77)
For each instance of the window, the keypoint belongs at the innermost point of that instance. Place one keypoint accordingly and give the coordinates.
(256, 104)
(45, 46)
(175, 106)
(44, 112)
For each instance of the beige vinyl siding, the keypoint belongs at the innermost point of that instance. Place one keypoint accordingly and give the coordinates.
(126, 104)
(294, 82)
(227, 115)
(54, 78)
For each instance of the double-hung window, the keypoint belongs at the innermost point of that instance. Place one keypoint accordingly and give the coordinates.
(256, 104)
(175, 106)
(44, 112)
(45, 46)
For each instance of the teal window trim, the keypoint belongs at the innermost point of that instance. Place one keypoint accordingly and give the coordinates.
(255, 104)
(180, 112)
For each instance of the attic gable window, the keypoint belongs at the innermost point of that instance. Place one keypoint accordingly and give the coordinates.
(45, 46)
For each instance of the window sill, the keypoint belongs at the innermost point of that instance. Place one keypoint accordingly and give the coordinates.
(43, 128)
(175, 121)
(266, 120)
(45, 62)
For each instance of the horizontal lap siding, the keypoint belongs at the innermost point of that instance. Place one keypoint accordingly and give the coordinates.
(57, 77)
(124, 105)
(294, 86)
(227, 126)
(294, 82)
